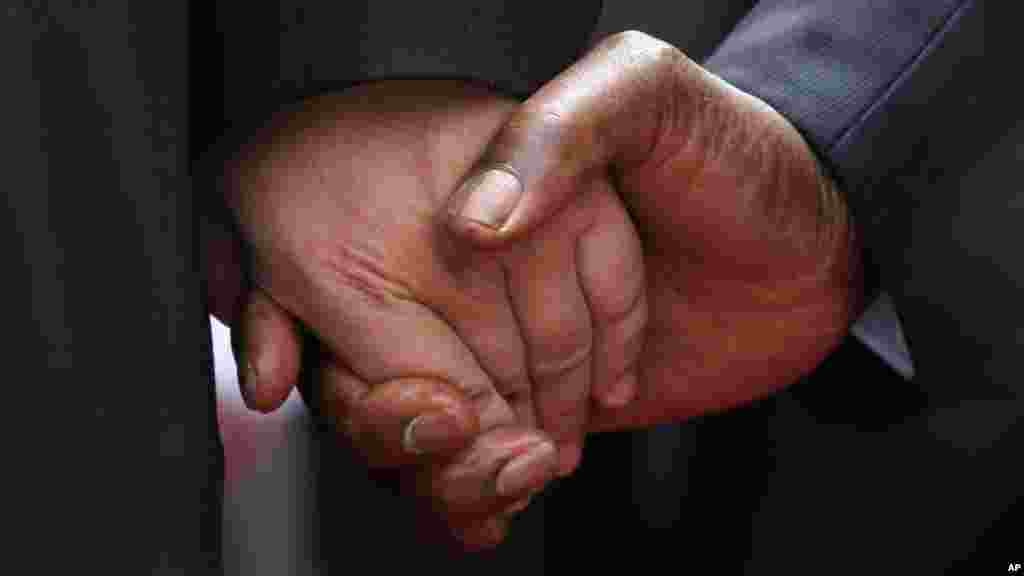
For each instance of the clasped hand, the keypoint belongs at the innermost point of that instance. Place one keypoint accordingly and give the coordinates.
(489, 281)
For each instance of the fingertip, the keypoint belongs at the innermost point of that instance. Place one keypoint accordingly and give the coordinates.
(570, 455)
(250, 386)
(485, 536)
(271, 354)
(501, 467)
(528, 472)
(518, 506)
(620, 393)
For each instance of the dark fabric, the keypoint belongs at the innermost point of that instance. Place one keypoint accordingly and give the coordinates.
(696, 28)
(276, 52)
(904, 101)
(114, 463)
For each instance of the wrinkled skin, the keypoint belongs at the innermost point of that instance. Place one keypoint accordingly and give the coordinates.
(749, 269)
(751, 261)
(341, 203)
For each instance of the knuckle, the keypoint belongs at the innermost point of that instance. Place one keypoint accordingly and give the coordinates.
(626, 305)
(503, 357)
(559, 331)
(477, 391)
(631, 37)
(520, 400)
(567, 418)
(493, 410)
(514, 385)
(508, 369)
(352, 269)
(641, 44)
(548, 365)
(535, 127)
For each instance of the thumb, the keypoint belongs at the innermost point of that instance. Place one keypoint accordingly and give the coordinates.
(607, 112)
(268, 349)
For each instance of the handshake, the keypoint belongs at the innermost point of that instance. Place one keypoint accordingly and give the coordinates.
(489, 281)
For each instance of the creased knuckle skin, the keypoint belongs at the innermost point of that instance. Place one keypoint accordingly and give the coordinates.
(548, 367)
(624, 305)
(364, 275)
(516, 389)
(642, 47)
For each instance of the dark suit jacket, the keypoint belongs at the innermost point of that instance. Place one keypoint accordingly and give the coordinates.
(116, 459)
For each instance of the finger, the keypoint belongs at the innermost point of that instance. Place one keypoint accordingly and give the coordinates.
(500, 468)
(268, 353)
(439, 534)
(477, 305)
(555, 321)
(518, 506)
(399, 422)
(482, 535)
(612, 107)
(611, 268)
(381, 336)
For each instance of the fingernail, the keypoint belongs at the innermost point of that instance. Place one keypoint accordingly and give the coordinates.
(569, 457)
(488, 198)
(429, 433)
(257, 366)
(528, 472)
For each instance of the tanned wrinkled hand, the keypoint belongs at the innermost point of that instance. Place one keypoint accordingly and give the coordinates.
(752, 267)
